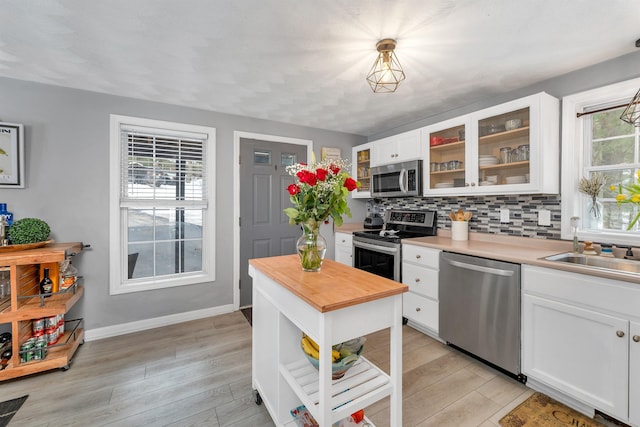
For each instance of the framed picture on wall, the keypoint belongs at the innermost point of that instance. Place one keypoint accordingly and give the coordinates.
(329, 153)
(11, 155)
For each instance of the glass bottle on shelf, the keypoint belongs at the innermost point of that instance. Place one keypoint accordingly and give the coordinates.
(6, 215)
(46, 284)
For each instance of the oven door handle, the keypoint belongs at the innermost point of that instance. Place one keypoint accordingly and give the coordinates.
(376, 248)
(401, 179)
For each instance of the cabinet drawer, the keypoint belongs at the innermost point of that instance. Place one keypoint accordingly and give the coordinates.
(427, 257)
(344, 239)
(421, 310)
(421, 280)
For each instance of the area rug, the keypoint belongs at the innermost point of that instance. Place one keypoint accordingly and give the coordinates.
(540, 410)
(9, 408)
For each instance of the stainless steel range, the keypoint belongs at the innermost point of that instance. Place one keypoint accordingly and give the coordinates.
(380, 251)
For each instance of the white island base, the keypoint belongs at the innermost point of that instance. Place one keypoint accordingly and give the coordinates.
(332, 306)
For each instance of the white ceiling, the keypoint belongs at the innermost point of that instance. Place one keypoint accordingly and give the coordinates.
(305, 61)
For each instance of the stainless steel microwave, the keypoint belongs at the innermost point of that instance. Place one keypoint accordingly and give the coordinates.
(397, 180)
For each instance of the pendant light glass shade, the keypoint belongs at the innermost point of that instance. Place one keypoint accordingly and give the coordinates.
(386, 73)
(631, 114)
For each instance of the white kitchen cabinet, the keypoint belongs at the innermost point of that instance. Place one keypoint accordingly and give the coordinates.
(344, 248)
(398, 148)
(578, 338)
(420, 269)
(634, 374)
(361, 169)
(479, 153)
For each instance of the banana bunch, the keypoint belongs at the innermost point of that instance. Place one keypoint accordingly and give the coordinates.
(312, 349)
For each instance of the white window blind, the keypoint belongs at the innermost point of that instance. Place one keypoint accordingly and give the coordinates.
(163, 166)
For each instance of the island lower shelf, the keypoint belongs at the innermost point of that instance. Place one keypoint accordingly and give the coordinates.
(361, 386)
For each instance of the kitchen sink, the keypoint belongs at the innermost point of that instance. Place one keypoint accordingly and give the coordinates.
(613, 264)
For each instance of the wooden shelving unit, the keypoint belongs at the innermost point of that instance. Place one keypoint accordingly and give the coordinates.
(26, 304)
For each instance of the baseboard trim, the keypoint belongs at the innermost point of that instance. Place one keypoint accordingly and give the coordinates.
(561, 397)
(156, 322)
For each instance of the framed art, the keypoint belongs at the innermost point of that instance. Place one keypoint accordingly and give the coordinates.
(11, 155)
(329, 153)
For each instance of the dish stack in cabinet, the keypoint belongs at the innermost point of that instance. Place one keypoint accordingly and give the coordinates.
(33, 317)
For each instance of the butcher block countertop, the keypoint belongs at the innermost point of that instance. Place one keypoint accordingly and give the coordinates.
(519, 250)
(336, 286)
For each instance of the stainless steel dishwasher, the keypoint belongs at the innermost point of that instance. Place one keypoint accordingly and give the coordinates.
(480, 309)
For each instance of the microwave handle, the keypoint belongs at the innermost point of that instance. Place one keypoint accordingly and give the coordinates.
(401, 179)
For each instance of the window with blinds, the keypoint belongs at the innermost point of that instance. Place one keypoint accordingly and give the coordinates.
(164, 203)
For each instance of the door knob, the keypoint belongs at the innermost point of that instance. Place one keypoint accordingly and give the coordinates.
(636, 338)
(620, 334)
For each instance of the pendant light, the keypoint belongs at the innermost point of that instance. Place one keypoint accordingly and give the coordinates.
(386, 73)
(631, 114)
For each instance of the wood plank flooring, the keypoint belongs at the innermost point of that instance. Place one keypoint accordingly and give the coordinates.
(199, 374)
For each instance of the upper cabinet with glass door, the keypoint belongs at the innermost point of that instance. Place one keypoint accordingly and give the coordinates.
(512, 148)
(361, 169)
(447, 154)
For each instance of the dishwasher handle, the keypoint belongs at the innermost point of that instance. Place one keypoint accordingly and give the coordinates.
(483, 269)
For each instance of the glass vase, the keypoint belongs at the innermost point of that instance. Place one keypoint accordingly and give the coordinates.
(311, 246)
(595, 210)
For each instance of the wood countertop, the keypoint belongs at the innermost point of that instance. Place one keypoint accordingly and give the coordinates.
(336, 286)
(519, 250)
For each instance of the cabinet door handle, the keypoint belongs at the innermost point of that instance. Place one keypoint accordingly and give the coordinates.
(417, 308)
(620, 334)
(636, 338)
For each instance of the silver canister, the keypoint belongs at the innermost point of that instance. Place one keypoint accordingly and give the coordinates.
(505, 155)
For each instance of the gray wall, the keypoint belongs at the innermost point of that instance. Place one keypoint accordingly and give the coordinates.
(67, 162)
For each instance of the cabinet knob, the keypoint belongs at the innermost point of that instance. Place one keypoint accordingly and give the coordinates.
(620, 334)
(418, 257)
(417, 308)
(466, 184)
(343, 241)
(417, 280)
(473, 184)
(636, 338)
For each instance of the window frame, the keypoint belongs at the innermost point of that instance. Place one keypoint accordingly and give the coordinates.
(573, 158)
(118, 251)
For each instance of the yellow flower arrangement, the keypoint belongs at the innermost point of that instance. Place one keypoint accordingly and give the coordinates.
(632, 195)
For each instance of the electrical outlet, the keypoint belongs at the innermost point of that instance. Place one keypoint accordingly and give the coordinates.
(504, 215)
(544, 217)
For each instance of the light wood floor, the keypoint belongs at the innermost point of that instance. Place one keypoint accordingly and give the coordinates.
(199, 374)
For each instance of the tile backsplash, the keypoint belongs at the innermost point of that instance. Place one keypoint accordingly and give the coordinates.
(523, 212)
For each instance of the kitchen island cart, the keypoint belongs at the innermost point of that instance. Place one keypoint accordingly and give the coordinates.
(25, 305)
(332, 306)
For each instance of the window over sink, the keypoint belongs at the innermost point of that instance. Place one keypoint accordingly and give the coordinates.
(599, 142)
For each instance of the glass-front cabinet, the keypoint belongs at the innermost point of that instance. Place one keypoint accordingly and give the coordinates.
(447, 154)
(361, 170)
(512, 148)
